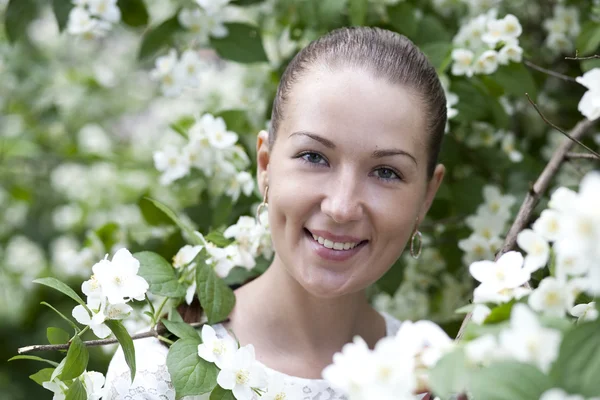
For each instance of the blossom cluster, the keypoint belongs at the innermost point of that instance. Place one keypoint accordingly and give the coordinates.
(395, 369)
(483, 134)
(563, 28)
(93, 18)
(212, 149)
(251, 240)
(92, 381)
(488, 224)
(589, 105)
(484, 43)
(175, 74)
(114, 283)
(206, 20)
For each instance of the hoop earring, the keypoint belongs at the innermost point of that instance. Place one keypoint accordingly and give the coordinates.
(262, 206)
(416, 235)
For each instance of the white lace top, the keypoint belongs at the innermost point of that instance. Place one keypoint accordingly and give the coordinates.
(153, 382)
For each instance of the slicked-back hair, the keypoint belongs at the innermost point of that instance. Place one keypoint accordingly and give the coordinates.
(383, 53)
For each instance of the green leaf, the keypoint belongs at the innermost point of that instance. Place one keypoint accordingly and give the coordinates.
(509, 380)
(63, 288)
(431, 29)
(500, 313)
(218, 239)
(62, 316)
(76, 391)
(221, 394)
(402, 18)
(236, 120)
(57, 336)
(159, 274)
(153, 215)
(181, 329)
(246, 2)
(34, 358)
(465, 309)
(76, 361)
(450, 374)
(358, 12)
(516, 79)
(133, 12)
(61, 9)
(126, 343)
(216, 298)
(578, 364)
(588, 41)
(42, 376)
(243, 44)
(190, 374)
(18, 15)
(159, 37)
(192, 236)
(438, 54)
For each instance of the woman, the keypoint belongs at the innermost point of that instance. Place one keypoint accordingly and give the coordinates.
(348, 170)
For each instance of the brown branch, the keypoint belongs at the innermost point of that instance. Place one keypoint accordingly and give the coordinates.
(549, 72)
(100, 342)
(535, 193)
(583, 58)
(580, 156)
(560, 129)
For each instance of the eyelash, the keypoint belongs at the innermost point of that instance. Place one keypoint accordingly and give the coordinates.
(302, 156)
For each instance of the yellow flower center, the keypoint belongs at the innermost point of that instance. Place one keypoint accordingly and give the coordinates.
(242, 377)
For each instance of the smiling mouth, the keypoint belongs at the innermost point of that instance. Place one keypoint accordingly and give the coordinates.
(329, 244)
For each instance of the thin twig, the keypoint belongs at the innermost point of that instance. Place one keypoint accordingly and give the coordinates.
(101, 342)
(535, 193)
(575, 156)
(559, 129)
(583, 58)
(549, 72)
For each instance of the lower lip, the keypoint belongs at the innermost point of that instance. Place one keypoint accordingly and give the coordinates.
(331, 254)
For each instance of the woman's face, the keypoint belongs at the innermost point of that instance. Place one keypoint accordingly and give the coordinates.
(349, 168)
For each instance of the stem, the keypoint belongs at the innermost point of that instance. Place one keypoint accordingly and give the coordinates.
(535, 193)
(84, 330)
(160, 307)
(575, 156)
(164, 339)
(549, 72)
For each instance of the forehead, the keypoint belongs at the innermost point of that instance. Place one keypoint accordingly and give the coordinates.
(354, 106)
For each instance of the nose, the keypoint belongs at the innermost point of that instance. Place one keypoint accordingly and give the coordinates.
(343, 198)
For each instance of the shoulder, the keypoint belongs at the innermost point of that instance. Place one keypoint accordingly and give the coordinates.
(392, 324)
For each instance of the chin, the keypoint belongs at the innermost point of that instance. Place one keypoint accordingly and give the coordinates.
(326, 284)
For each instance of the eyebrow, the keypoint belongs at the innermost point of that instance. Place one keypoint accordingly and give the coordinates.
(376, 154)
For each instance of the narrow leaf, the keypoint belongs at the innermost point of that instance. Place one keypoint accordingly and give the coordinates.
(17, 16)
(221, 394)
(181, 329)
(159, 274)
(159, 37)
(126, 343)
(133, 12)
(42, 376)
(76, 391)
(63, 288)
(57, 336)
(190, 374)
(62, 316)
(216, 298)
(61, 9)
(34, 358)
(243, 44)
(76, 361)
(152, 214)
(180, 223)
(402, 18)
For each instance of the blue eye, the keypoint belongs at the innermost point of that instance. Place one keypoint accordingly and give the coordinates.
(387, 174)
(313, 158)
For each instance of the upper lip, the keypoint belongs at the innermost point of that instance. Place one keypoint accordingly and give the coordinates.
(335, 238)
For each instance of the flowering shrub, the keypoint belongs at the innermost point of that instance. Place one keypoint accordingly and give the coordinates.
(126, 140)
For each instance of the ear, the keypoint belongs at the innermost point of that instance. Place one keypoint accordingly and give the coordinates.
(432, 188)
(262, 160)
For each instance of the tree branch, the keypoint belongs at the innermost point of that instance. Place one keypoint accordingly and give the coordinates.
(101, 342)
(549, 72)
(580, 156)
(535, 193)
(583, 58)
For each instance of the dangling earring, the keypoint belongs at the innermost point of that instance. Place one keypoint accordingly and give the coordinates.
(416, 236)
(262, 206)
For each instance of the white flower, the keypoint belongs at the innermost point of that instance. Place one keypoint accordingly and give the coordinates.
(220, 259)
(585, 312)
(496, 202)
(538, 250)
(93, 290)
(217, 133)
(528, 341)
(590, 102)
(486, 224)
(548, 225)
(480, 313)
(172, 163)
(212, 6)
(463, 60)
(190, 66)
(118, 278)
(185, 255)
(105, 9)
(92, 139)
(562, 199)
(278, 390)
(551, 297)
(559, 394)
(487, 63)
(58, 387)
(243, 374)
(500, 280)
(482, 350)
(451, 101)
(96, 322)
(559, 43)
(510, 52)
(572, 262)
(508, 146)
(193, 20)
(241, 182)
(215, 349)
(477, 248)
(93, 382)
(168, 74)
(81, 23)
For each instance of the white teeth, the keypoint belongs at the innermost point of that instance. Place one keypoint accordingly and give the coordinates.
(334, 245)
